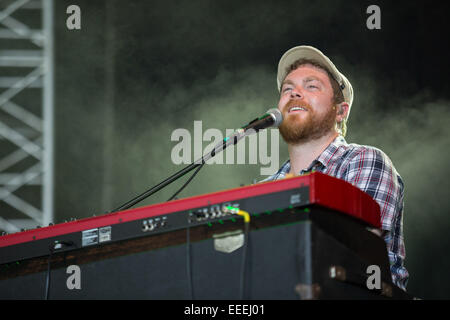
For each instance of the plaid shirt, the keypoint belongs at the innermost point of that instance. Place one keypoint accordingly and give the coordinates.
(370, 170)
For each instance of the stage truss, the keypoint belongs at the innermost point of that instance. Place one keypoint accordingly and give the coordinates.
(26, 114)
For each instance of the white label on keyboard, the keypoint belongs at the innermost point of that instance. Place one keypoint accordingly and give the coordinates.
(89, 237)
(296, 198)
(104, 234)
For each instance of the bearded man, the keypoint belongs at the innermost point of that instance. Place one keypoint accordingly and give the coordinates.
(315, 100)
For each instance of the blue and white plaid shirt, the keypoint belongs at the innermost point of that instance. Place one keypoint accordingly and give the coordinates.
(371, 170)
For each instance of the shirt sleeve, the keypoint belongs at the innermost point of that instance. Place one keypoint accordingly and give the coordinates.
(373, 172)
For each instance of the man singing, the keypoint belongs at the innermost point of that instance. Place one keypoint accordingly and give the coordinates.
(315, 100)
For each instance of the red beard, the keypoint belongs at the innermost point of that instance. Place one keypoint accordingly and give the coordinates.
(307, 125)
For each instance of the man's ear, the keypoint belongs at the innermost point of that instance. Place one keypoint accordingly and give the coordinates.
(342, 111)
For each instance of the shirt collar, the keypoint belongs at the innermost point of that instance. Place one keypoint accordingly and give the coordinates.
(323, 159)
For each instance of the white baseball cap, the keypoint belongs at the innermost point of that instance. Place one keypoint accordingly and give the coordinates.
(308, 52)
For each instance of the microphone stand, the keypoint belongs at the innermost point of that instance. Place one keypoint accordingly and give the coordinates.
(233, 139)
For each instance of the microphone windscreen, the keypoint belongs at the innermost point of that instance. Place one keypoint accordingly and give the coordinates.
(277, 115)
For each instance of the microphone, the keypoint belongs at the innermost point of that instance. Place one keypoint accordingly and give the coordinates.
(272, 118)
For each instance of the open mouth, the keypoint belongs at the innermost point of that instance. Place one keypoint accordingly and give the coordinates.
(297, 109)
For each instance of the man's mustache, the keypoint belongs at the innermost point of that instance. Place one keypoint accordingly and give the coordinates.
(295, 103)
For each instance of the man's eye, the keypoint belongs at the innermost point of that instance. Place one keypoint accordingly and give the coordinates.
(314, 87)
(286, 89)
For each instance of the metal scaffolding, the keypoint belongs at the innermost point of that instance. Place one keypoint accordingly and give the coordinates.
(26, 114)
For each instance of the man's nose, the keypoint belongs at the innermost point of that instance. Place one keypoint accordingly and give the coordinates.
(296, 93)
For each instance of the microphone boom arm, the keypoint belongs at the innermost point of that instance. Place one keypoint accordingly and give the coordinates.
(233, 139)
(272, 117)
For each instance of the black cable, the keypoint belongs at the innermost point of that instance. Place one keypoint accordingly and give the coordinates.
(187, 182)
(188, 264)
(188, 241)
(55, 246)
(244, 259)
(47, 278)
